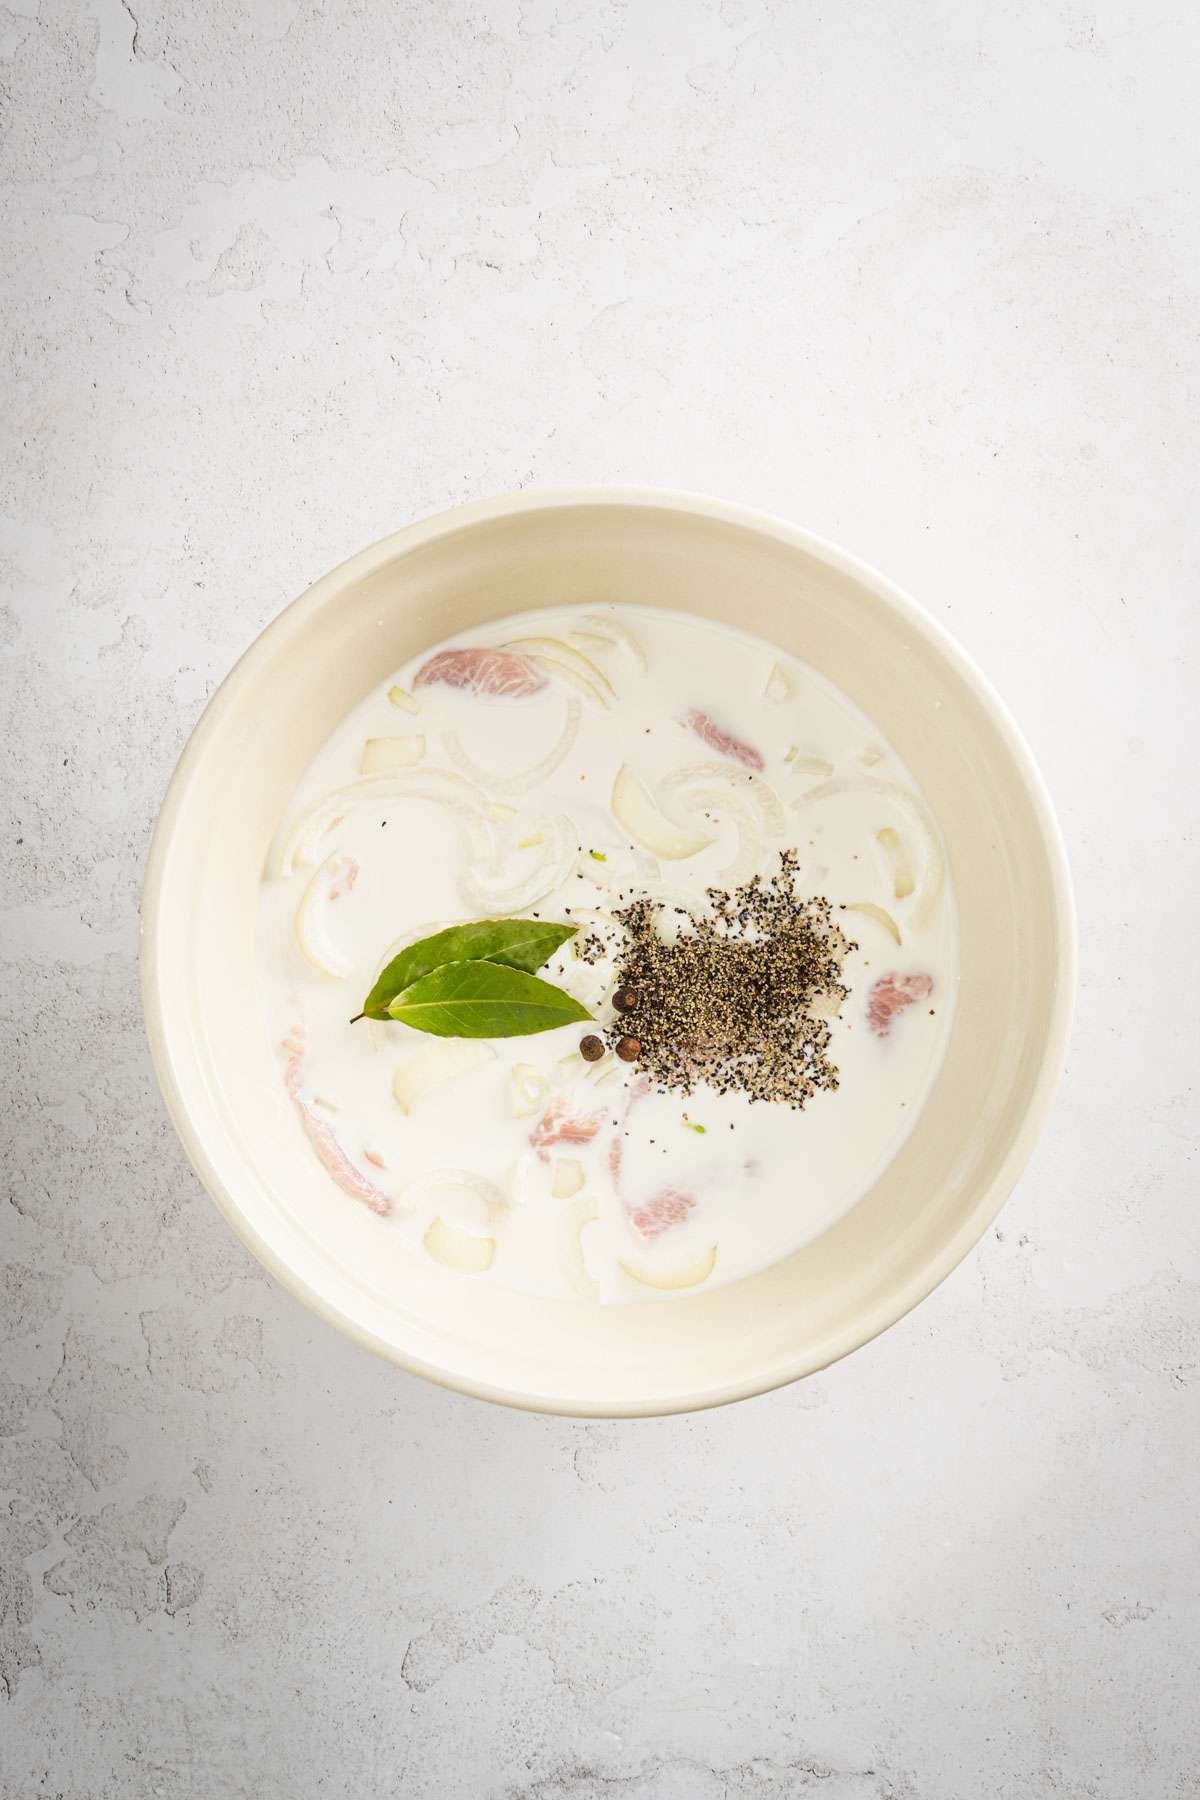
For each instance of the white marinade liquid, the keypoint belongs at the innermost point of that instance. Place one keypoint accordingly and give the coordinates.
(632, 768)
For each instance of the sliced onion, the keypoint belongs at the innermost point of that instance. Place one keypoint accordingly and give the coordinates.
(808, 765)
(572, 1068)
(586, 982)
(680, 1275)
(332, 882)
(698, 782)
(903, 878)
(669, 922)
(594, 915)
(524, 779)
(562, 655)
(778, 686)
(488, 885)
(929, 874)
(459, 1250)
(625, 865)
(714, 789)
(869, 911)
(639, 814)
(871, 755)
(567, 672)
(463, 1199)
(577, 1216)
(433, 1064)
(527, 1090)
(612, 631)
(401, 698)
(825, 1006)
(297, 844)
(381, 755)
(566, 1178)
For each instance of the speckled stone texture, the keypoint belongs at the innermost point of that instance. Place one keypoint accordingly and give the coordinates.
(279, 276)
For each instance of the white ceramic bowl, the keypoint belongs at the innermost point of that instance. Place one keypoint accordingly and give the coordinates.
(1016, 920)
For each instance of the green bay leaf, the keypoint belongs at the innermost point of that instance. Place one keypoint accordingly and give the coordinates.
(484, 1000)
(517, 943)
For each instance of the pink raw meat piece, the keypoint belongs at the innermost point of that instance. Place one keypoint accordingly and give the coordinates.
(343, 876)
(890, 995)
(614, 1161)
(483, 672)
(668, 1207)
(559, 1125)
(320, 1135)
(722, 741)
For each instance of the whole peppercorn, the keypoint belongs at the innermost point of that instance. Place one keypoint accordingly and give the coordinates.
(591, 1048)
(628, 1048)
(625, 1000)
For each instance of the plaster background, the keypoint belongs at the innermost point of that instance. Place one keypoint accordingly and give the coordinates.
(280, 276)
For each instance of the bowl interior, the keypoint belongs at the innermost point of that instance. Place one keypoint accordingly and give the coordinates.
(237, 776)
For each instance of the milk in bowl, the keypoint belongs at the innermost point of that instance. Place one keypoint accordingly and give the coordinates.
(681, 842)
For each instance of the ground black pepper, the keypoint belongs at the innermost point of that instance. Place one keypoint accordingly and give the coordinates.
(740, 997)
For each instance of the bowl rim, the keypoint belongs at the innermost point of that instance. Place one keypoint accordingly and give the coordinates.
(292, 619)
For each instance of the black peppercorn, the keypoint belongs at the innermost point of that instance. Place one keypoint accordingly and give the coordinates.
(591, 1048)
(628, 1048)
(625, 1000)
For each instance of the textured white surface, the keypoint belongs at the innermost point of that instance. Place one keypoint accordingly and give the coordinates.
(281, 276)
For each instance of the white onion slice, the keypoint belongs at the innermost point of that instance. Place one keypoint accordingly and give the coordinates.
(825, 1006)
(639, 814)
(778, 686)
(572, 1069)
(714, 789)
(488, 884)
(577, 1215)
(593, 915)
(561, 655)
(527, 1090)
(669, 921)
(459, 1250)
(435, 1063)
(808, 765)
(903, 878)
(567, 1177)
(681, 1275)
(463, 1199)
(586, 982)
(625, 866)
(697, 783)
(930, 871)
(400, 697)
(568, 673)
(523, 779)
(297, 844)
(612, 631)
(383, 754)
(877, 913)
(331, 882)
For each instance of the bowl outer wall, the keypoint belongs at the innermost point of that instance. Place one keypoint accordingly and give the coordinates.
(972, 1219)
